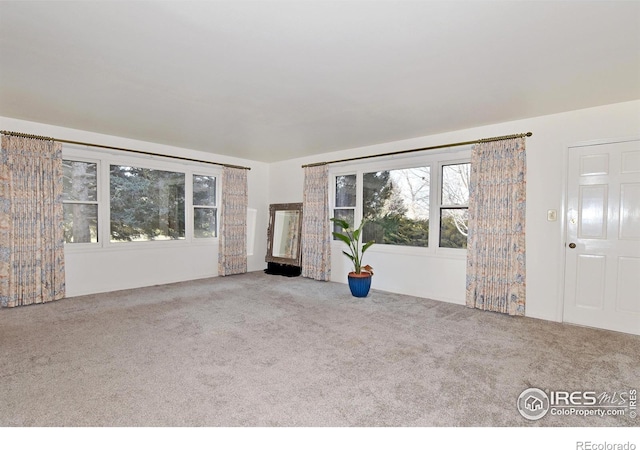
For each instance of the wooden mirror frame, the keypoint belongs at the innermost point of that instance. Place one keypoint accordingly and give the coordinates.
(273, 209)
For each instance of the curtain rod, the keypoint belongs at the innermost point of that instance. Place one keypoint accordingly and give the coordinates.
(401, 152)
(140, 152)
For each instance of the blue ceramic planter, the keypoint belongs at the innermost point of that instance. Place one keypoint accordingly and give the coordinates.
(359, 285)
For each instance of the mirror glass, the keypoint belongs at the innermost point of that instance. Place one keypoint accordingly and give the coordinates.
(285, 226)
(285, 234)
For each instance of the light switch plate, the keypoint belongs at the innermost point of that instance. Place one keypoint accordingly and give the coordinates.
(552, 215)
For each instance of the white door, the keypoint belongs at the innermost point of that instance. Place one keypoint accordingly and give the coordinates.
(602, 270)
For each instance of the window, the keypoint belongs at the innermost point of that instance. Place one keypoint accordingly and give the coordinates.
(114, 199)
(205, 212)
(345, 200)
(396, 206)
(146, 204)
(80, 201)
(420, 202)
(454, 205)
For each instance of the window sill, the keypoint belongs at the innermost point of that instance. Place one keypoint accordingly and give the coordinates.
(449, 253)
(138, 246)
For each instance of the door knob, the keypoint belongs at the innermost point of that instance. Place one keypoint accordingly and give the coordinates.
(572, 245)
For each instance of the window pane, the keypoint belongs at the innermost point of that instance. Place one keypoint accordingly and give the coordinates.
(454, 225)
(80, 223)
(80, 181)
(204, 190)
(455, 184)
(346, 191)
(344, 214)
(396, 206)
(146, 204)
(204, 222)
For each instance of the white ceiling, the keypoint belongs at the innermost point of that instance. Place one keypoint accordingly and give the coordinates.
(274, 80)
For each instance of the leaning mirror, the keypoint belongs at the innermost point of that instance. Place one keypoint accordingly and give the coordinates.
(285, 228)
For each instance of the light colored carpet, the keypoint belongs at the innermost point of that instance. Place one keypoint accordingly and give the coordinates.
(264, 350)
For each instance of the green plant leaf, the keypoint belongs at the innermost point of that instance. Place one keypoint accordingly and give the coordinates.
(351, 237)
(342, 237)
(351, 257)
(356, 234)
(367, 245)
(340, 222)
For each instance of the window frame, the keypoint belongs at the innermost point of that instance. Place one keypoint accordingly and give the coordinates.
(147, 167)
(215, 207)
(400, 166)
(441, 206)
(98, 201)
(432, 159)
(333, 193)
(105, 159)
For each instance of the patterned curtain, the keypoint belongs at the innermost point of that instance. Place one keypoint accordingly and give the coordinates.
(232, 251)
(316, 229)
(31, 221)
(496, 240)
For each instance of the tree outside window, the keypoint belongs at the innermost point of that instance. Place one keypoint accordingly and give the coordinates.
(345, 200)
(80, 201)
(146, 204)
(396, 206)
(205, 212)
(454, 210)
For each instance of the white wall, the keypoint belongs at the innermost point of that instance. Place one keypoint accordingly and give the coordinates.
(110, 269)
(425, 276)
(444, 278)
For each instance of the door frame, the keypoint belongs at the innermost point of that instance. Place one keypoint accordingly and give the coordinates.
(565, 207)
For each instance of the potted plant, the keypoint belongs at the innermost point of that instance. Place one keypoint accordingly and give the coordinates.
(360, 278)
